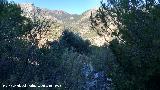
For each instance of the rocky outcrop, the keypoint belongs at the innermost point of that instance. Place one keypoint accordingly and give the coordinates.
(78, 23)
(95, 80)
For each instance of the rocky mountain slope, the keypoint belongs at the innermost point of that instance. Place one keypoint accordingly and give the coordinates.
(79, 24)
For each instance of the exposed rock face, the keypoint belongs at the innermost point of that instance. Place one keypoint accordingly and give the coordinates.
(78, 23)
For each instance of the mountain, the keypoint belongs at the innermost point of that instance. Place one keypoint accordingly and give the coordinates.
(79, 24)
(56, 15)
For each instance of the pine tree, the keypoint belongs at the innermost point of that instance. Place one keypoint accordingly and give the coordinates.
(136, 46)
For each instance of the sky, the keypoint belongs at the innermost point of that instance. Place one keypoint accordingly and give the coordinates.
(70, 6)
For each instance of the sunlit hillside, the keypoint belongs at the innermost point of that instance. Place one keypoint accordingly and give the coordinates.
(75, 45)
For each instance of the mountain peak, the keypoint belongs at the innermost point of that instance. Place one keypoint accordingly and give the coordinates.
(59, 11)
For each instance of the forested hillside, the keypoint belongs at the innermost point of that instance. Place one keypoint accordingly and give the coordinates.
(113, 47)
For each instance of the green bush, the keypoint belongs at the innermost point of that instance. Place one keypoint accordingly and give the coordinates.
(71, 40)
(136, 46)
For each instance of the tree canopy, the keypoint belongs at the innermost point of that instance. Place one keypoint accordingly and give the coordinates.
(136, 46)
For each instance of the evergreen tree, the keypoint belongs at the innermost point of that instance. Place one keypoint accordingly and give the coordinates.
(136, 46)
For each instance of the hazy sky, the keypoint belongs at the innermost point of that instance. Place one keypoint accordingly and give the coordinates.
(70, 6)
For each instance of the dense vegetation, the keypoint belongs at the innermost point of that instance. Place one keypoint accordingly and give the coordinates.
(22, 61)
(136, 46)
(131, 59)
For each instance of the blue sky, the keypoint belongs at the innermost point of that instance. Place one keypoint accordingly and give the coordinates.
(70, 6)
